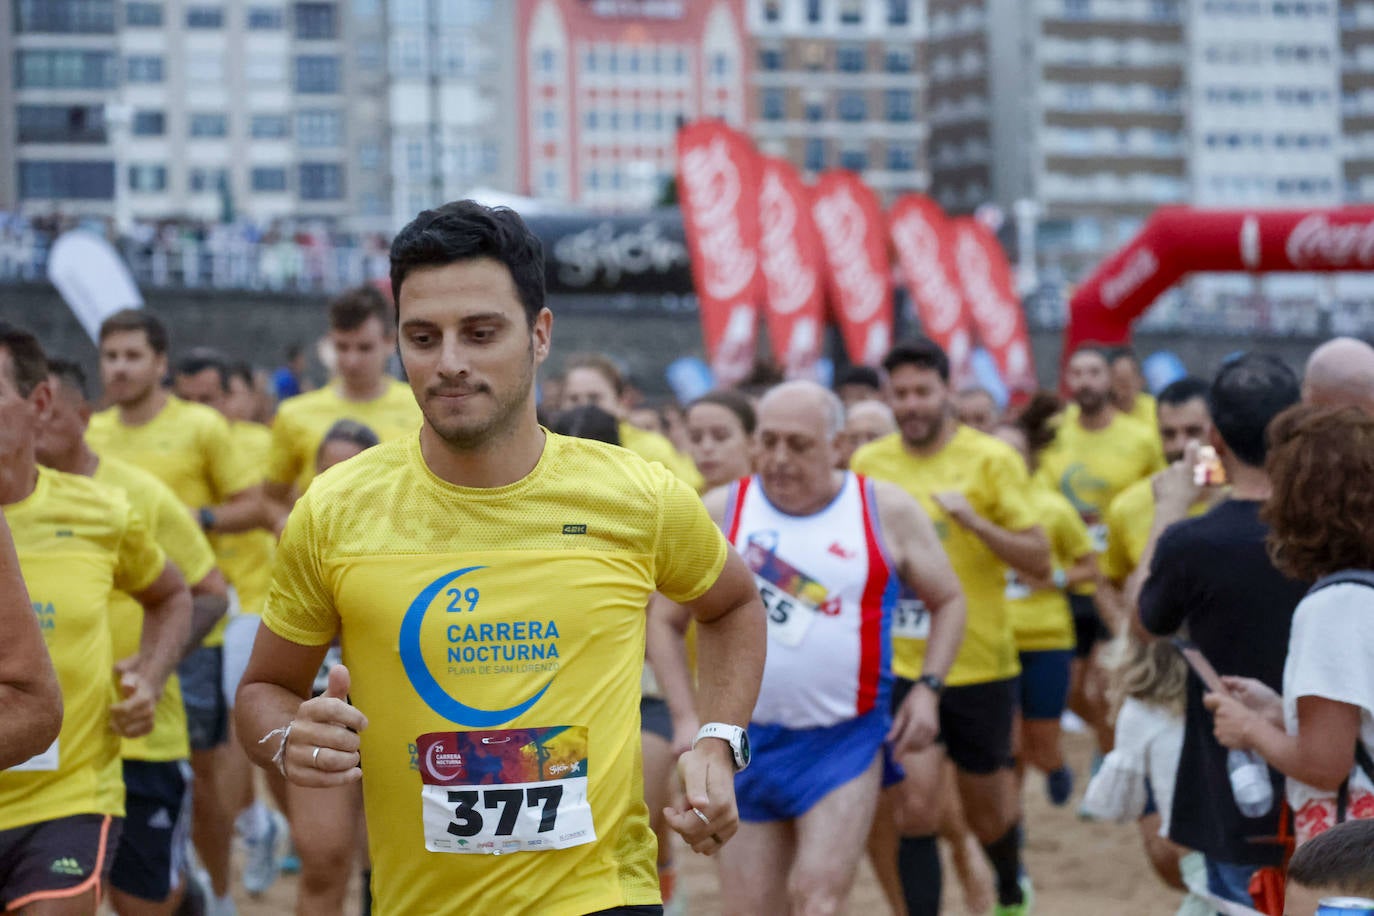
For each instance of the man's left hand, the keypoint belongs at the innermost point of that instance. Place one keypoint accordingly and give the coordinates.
(132, 717)
(917, 723)
(708, 817)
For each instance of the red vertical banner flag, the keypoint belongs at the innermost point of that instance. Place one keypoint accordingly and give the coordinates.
(853, 233)
(718, 188)
(924, 241)
(997, 314)
(792, 261)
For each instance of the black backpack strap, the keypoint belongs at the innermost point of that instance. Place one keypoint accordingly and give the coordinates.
(1344, 577)
(1366, 765)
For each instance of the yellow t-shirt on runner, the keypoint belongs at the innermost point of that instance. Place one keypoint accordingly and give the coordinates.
(993, 478)
(1129, 520)
(302, 421)
(185, 545)
(188, 447)
(245, 557)
(653, 447)
(1041, 619)
(78, 541)
(495, 639)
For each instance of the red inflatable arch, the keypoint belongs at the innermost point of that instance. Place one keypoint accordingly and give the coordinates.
(1180, 240)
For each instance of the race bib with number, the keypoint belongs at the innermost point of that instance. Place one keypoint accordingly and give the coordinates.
(911, 619)
(789, 619)
(496, 792)
(790, 595)
(1098, 533)
(44, 762)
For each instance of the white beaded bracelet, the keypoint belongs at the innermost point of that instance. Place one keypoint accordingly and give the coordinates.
(279, 758)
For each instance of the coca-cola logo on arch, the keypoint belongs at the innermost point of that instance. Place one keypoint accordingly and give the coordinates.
(792, 281)
(996, 317)
(844, 225)
(1316, 242)
(712, 184)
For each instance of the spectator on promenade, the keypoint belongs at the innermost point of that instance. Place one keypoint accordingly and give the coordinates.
(289, 380)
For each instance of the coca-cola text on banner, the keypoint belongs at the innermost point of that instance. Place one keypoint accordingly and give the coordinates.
(985, 275)
(853, 234)
(791, 259)
(923, 241)
(717, 182)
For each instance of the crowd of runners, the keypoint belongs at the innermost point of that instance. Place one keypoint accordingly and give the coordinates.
(507, 637)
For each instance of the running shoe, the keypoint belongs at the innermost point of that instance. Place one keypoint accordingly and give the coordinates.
(262, 863)
(1059, 786)
(1083, 813)
(1025, 907)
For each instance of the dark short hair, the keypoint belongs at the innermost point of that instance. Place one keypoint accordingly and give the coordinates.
(69, 373)
(1337, 859)
(244, 371)
(599, 363)
(465, 230)
(1247, 394)
(127, 320)
(734, 402)
(351, 309)
(588, 422)
(1095, 349)
(28, 364)
(1321, 512)
(199, 359)
(1181, 391)
(351, 431)
(866, 376)
(1117, 354)
(921, 352)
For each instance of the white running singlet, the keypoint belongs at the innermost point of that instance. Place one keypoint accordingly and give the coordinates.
(829, 588)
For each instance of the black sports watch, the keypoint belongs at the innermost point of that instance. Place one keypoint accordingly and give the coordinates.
(207, 518)
(934, 682)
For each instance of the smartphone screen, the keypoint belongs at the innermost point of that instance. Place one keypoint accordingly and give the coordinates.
(1199, 663)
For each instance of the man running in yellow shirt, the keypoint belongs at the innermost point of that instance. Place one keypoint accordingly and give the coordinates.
(28, 685)
(78, 541)
(148, 868)
(1128, 387)
(975, 489)
(489, 581)
(362, 331)
(188, 447)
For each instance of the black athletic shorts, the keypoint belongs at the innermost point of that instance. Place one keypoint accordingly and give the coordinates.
(56, 859)
(654, 718)
(654, 910)
(157, 825)
(202, 690)
(975, 723)
(1087, 624)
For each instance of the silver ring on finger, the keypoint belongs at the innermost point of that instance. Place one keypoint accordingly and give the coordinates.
(704, 819)
(315, 758)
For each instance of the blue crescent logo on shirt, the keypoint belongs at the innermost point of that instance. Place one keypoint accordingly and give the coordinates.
(424, 683)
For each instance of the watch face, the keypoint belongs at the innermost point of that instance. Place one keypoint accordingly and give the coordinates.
(745, 754)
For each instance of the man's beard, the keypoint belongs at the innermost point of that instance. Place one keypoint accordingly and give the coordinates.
(503, 419)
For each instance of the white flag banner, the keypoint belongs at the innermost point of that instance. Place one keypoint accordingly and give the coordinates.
(92, 278)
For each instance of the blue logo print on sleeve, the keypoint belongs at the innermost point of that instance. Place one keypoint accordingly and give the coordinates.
(429, 689)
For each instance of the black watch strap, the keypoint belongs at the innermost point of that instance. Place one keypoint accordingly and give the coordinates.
(934, 682)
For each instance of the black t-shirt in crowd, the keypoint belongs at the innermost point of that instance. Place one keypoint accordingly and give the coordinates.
(1213, 576)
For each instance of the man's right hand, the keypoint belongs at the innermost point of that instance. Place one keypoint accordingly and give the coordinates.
(327, 723)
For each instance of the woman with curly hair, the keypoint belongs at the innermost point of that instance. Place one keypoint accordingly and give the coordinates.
(1320, 733)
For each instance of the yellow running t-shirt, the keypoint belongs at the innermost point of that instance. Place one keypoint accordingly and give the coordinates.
(302, 421)
(993, 478)
(1041, 619)
(180, 537)
(1129, 520)
(78, 540)
(495, 639)
(187, 446)
(246, 556)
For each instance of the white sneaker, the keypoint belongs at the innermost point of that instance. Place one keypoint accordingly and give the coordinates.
(262, 864)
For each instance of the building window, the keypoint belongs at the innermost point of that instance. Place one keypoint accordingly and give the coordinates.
(851, 12)
(316, 22)
(851, 106)
(774, 104)
(1078, 9)
(770, 58)
(61, 124)
(898, 12)
(43, 180)
(319, 128)
(268, 179)
(265, 18)
(369, 54)
(142, 15)
(317, 74)
(856, 160)
(265, 67)
(901, 158)
(815, 154)
(370, 155)
(209, 124)
(66, 70)
(66, 17)
(899, 61)
(205, 68)
(813, 11)
(268, 127)
(321, 181)
(143, 68)
(203, 179)
(850, 59)
(204, 17)
(772, 10)
(147, 178)
(149, 124)
(900, 105)
(815, 111)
